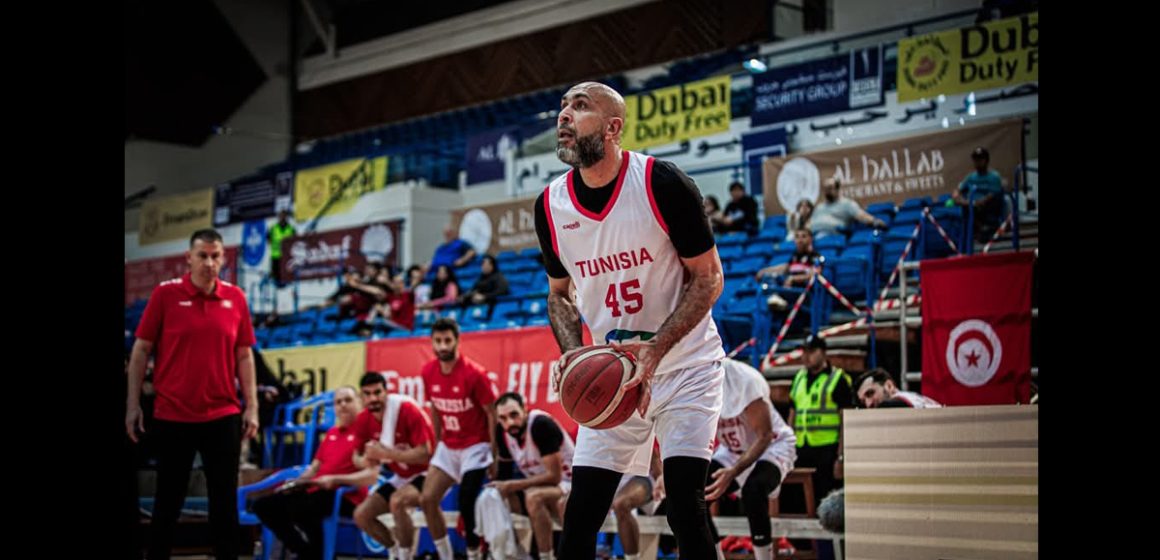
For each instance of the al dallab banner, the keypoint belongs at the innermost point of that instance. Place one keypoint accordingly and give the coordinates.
(895, 170)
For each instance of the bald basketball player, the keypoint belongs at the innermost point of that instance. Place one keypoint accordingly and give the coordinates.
(628, 233)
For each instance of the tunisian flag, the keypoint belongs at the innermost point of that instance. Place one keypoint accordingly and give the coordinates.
(976, 329)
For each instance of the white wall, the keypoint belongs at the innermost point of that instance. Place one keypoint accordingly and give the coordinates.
(430, 213)
(485, 193)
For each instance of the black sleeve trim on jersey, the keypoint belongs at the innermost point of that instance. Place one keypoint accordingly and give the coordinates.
(544, 232)
(676, 196)
(547, 436)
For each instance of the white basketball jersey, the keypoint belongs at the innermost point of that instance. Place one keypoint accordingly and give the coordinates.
(627, 273)
(734, 436)
(527, 456)
(916, 400)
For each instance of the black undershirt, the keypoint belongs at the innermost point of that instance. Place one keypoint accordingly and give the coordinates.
(677, 198)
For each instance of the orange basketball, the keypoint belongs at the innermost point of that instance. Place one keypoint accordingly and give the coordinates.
(591, 387)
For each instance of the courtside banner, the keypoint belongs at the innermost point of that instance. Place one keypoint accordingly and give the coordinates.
(990, 55)
(493, 228)
(677, 113)
(318, 368)
(175, 217)
(831, 85)
(893, 170)
(314, 187)
(517, 360)
(323, 254)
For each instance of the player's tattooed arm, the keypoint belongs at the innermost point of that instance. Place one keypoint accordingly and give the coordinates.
(698, 298)
(707, 281)
(564, 315)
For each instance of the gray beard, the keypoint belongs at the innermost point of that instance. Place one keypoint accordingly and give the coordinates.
(587, 151)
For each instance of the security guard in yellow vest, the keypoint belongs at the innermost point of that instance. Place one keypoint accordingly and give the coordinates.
(819, 393)
(279, 231)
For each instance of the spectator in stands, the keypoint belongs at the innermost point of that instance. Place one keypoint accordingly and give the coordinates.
(876, 389)
(454, 252)
(342, 297)
(416, 284)
(278, 232)
(835, 212)
(378, 292)
(413, 277)
(200, 327)
(363, 296)
(295, 511)
(444, 290)
(712, 211)
(989, 190)
(491, 284)
(800, 267)
(398, 310)
(370, 272)
(799, 218)
(740, 214)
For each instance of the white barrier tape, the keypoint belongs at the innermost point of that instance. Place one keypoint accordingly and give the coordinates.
(838, 295)
(741, 347)
(941, 231)
(912, 299)
(793, 313)
(998, 232)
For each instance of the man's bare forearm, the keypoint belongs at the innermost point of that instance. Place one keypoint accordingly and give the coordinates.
(437, 423)
(364, 477)
(754, 452)
(698, 299)
(491, 423)
(414, 455)
(311, 470)
(137, 364)
(358, 478)
(248, 376)
(565, 319)
(546, 478)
